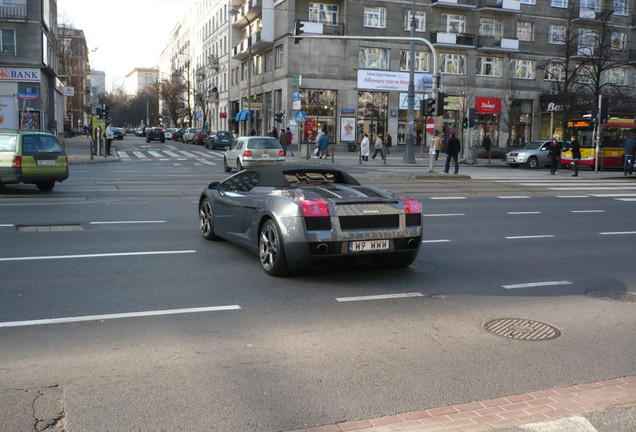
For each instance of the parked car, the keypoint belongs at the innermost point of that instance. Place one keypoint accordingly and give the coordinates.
(32, 157)
(253, 151)
(168, 132)
(298, 215)
(219, 139)
(202, 136)
(533, 155)
(178, 134)
(189, 135)
(155, 134)
(118, 133)
(141, 132)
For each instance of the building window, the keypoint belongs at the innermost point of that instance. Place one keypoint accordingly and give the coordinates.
(373, 58)
(375, 17)
(525, 31)
(452, 64)
(8, 41)
(523, 69)
(490, 27)
(587, 42)
(421, 61)
(554, 72)
(585, 75)
(278, 57)
(617, 76)
(559, 3)
(323, 13)
(620, 7)
(618, 41)
(420, 21)
(530, 2)
(556, 35)
(269, 61)
(453, 23)
(489, 66)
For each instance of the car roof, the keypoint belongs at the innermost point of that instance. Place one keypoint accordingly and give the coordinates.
(274, 175)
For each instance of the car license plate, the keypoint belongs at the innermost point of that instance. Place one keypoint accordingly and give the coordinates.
(45, 162)
(368, 245)
(265, 156)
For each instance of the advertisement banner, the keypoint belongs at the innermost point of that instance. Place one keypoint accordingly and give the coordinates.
(8, 118)
(488, 105)
(393, 81)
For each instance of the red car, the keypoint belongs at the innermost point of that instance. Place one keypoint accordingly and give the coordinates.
(201, 137)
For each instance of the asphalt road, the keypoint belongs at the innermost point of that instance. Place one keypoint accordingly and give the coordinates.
(103, 282)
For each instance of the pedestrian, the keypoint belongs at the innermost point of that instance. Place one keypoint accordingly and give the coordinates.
(379, 147)
(364, 148)
(554, 154)
(630, 154)
(452, 152)
(388, 143)
(290, 141)
(109, 135)
(575, 148)
(437, 143)
(252, 132)
(274, 132)
(487, 144)
(282, 139)
(323, 143)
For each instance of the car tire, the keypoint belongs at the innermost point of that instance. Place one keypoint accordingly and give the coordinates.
(206, 220)
(163, 141)
(46, 186)
(239, 165)
(271, 251)
(226, 167)
(532, 163)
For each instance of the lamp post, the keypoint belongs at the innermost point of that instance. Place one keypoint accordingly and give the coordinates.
(235, 11)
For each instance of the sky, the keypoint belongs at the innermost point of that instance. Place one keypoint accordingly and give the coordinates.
(122, 34)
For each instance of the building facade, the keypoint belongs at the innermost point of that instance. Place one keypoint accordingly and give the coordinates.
(74, 70)
(139, 78)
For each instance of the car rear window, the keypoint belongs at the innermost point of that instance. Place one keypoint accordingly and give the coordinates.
(264, 144)
(7, 143)
(34, 144)
(224, 134)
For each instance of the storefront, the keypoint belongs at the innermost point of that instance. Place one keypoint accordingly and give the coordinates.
(20, 98)
(488, 117)
(372, 117)
(319, 106)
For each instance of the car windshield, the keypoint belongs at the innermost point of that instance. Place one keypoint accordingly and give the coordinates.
(264, 144)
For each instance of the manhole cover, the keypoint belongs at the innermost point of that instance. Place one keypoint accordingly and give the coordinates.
(521, 329)
(624, 296)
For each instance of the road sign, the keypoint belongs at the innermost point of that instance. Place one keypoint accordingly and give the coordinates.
(430, 125)
(300, 116)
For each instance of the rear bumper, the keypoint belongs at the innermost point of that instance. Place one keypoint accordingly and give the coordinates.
(14, 175)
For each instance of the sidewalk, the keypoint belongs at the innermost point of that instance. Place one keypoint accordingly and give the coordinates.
(78, 150)
(501, 413)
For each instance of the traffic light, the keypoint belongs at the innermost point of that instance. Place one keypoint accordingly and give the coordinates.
(441, 103)
(465, 123)
(604, 111)
(298, 31)
(472, 117)
(279, 117)
(99, 112)
(427, 107)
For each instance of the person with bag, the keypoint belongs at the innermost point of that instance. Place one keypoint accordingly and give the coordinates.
(379, 147)
(389, 143)
(364, 148)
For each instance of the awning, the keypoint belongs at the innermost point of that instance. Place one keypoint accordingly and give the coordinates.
(242, 115)
(619, 124)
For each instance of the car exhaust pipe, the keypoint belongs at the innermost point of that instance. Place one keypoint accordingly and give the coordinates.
(412, 243)
(322, 248)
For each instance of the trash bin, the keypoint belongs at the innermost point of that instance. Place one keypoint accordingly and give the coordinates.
(352, 148)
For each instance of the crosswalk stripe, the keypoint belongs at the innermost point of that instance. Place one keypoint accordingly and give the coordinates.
(140, 155)
(171, 153)
(155, 153)
(188, 154)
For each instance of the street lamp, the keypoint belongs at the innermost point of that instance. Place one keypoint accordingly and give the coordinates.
(235, 11)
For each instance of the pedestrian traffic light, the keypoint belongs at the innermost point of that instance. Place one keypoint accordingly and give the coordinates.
(279, 117)
(441, 103)
(472, 117)
(427, 107)
(298, 31)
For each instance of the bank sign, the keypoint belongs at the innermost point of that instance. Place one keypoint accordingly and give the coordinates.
(19, 75)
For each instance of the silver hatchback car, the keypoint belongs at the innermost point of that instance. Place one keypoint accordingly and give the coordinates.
(251, 151)
(533, 155)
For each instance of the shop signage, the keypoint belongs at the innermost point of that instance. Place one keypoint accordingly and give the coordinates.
(488, 105)
(393, 81)
(223, 115)
(579, 124)
(19, 75)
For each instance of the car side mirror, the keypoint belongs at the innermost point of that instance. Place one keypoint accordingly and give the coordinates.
(215, 185)
(227, 148)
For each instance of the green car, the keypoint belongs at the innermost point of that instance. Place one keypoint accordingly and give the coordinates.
(35, 157)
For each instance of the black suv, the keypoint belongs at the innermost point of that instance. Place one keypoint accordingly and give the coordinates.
(155, 134)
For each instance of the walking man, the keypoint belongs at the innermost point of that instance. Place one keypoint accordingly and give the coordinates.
(630, 153)
(452, 152)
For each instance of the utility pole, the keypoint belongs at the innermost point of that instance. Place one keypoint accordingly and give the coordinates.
(409, 150)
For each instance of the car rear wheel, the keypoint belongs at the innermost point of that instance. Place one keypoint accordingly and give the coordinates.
(533, 162)
(226, 167)
(206, 220)
(239, 165)
(46, 186)
(271, 251)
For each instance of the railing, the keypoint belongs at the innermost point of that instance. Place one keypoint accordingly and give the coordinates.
(18, 11)
(503, 5)
(453, 38)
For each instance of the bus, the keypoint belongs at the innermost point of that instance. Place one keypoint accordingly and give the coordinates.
(611, 148)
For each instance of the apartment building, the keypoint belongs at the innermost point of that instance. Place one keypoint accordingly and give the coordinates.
(74, 70)
(512, 60)
(139, 78)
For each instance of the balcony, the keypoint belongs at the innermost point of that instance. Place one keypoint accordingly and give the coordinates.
(487, 43)
(454, 4)
(16, 11)
(457, 40)
(585, 13)
(240, 51)
(499, 6)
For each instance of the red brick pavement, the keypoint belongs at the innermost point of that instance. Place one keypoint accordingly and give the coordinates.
(505, 412)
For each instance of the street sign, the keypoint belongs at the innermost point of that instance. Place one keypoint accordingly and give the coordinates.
(300, 116)
(430, 125)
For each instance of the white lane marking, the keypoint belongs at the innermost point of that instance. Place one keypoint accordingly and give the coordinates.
(530, 237)
(613, 195)
(587, 211)
(513, 197)
(435, 241)
(35, 258)
(207, 162)
(155, 153)
(448, 198)
(117, 316)
(185, 153)
(171, 153)
(140, 155)
(379, 297)
(618, 233)
(536, 284)
(570, 424)
(594, 188)
(6, 225)
(126, 222)
(444, 214)
(123, 155)
(625, 199)
(572, 196)
(524, 212)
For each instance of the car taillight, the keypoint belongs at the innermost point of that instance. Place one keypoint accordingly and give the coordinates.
(247, 153)
(411, 205)
(281, 153)
(314, 208)
(17, 162)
